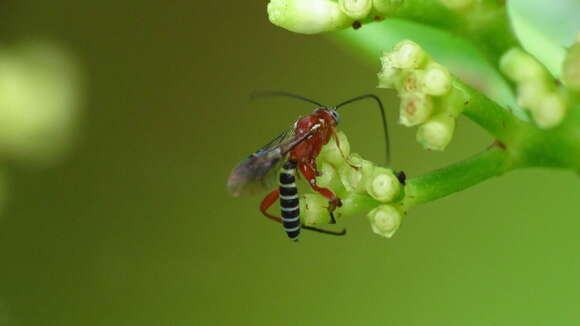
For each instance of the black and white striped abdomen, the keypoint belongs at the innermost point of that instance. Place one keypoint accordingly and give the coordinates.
(289, 200)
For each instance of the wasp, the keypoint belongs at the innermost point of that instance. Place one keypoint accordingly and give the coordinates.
(295, 150)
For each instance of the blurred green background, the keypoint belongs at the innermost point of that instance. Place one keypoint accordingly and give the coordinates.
(135, 226)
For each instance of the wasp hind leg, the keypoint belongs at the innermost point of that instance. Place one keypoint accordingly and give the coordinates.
(309, 172)
(272, 197)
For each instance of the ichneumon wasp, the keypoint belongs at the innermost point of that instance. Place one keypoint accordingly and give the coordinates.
(295, 148)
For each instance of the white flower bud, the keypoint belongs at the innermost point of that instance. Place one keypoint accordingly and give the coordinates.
(408, 55)
(549, 111)
(520, 66)
(436, 79)
(329, 177)
(355, 9)
(385, 220)
(530, 92)
(354, 179)
(383, 185)
(436, 133)
(307, 16)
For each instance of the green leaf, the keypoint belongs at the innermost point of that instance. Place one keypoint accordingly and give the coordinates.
(546, 28)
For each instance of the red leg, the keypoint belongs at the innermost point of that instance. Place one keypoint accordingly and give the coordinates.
(268, 201)
(272, 197)
(309, 172)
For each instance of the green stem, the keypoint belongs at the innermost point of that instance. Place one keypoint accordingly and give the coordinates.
(501, 123)
(492, 162)
(557, 147)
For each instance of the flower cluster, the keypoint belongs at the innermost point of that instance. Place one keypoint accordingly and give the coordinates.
(317, 16)
(536, 89)
(429, 97)
(360, 184)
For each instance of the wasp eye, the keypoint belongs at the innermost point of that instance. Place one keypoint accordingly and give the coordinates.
(335, 115)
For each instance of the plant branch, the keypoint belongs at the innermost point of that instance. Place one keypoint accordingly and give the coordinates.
(444, 182)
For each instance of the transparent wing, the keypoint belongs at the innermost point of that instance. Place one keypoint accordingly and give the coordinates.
(258, 171)
(283, 137)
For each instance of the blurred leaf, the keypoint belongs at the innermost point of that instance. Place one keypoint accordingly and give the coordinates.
(546, 28)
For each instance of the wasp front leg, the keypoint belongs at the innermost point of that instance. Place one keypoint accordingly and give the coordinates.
(309, 172)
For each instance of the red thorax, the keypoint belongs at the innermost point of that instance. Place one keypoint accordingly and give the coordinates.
(310, 148)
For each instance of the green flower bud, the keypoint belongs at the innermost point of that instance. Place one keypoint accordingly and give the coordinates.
(385, 220)
(314, 209)
(307, 16)
(332, 154)
(550, 111)
(354, 179)
(436, 79)
(356, 9)
(530, 92)
(415, 108)
(329, 178)
(386, 7)
(383, 185)
(436, 133)
(571, 68)
(520, 66)
(408, 55)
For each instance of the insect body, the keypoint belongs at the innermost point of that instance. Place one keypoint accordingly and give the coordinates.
(297, 148)
(289, 204)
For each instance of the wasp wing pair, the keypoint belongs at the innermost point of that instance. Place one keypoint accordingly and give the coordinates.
(258, 171)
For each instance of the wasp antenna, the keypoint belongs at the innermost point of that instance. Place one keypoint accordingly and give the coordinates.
(261, 94)
(382, 109)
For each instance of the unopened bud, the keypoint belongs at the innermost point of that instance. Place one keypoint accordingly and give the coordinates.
(307, 16)
(550, 111)
(530, 92)
(329, 178)
(383, 185)
(436, 133)
(520, 66)
(354, 177)
(408, 55)
(436, 79)
(385, 220)
(356, 9)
